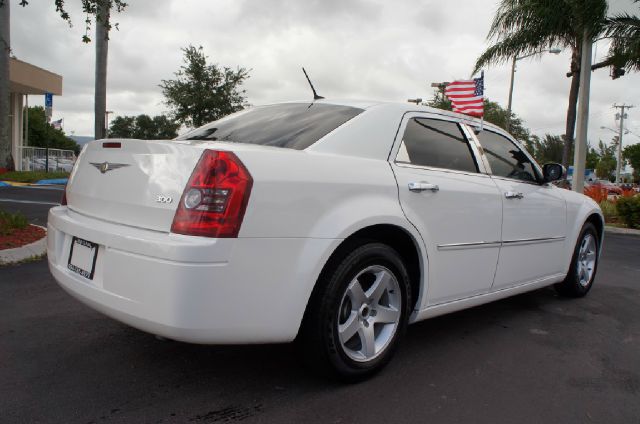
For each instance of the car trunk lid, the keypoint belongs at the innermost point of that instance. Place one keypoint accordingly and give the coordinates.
(132, 182)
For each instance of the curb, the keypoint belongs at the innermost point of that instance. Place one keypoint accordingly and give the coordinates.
(616, 230)
(56, 181)
(39, 184)
(17, 254)
(14, 183)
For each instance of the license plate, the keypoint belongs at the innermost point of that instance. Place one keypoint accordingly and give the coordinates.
(82, 258)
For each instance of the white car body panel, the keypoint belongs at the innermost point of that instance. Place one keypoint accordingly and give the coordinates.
(187, 288)
(533, 233)
(460, 266)
(303, 205)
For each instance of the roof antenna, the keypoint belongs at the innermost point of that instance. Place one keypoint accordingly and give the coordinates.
(315, 95)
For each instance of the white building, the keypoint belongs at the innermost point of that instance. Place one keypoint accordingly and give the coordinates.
(25, 79)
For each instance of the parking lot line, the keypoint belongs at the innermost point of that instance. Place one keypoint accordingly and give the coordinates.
(30, 202)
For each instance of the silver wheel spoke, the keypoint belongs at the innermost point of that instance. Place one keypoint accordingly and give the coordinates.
(357, 295)
(386, 315)
(368, 341)
(379, 286)
(349, 328)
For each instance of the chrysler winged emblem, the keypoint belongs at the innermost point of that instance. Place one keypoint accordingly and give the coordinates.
(104, 167)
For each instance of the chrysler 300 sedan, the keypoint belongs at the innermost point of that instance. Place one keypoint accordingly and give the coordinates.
(332, 223)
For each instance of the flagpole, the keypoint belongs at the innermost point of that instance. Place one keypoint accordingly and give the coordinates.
(482, 117)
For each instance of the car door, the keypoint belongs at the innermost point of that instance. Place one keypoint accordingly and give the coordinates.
(455, 206)
(533, 214)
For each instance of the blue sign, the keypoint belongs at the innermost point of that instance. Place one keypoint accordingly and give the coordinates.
(48, 100)
(587, 172)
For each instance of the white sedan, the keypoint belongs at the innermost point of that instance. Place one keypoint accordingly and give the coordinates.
(336, 223)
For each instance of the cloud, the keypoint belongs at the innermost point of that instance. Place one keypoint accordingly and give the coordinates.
(372, 49)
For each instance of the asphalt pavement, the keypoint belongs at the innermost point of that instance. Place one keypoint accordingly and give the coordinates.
(32, 201)
(533, 358)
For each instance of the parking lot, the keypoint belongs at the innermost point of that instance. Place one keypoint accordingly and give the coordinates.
(529, 359)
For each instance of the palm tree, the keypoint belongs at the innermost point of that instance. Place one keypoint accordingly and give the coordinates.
(103, 9)
(530, 27)
(5, 51)
(624, 29)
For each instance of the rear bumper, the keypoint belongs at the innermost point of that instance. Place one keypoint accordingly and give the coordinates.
(194, 289)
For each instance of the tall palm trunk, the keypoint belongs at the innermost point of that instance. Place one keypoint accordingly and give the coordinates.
(572, 108)
(5, 49)
(102, 49)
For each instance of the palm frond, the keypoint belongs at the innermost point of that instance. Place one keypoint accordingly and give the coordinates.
(524, 27)
(624, 51)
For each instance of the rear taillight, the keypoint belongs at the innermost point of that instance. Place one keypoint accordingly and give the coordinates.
(63, 201)
(215, 198)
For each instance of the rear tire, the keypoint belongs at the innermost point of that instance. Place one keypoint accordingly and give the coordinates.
(584, 264)
(358, 313)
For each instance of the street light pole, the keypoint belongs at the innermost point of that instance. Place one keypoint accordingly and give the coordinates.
(106, 123)
(622, 107)
(580, 154)
(513, 73)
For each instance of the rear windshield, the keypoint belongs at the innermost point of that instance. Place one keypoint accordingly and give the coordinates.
(291, 125)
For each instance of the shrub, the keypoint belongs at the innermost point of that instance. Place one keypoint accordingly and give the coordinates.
(9, 222)
(629, 210)
(628, 192)
(609, 211)
(596, 193)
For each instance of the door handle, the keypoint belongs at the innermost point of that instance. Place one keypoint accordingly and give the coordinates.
(423, 186)
(513, 195)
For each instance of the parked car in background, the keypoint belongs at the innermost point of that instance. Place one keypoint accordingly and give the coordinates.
(611, 188)
(336, 223)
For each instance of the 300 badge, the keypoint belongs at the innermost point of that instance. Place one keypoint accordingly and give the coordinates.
(164, 199)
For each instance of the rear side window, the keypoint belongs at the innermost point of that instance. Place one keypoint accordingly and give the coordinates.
(291, 125)
(438, 144)
(506, 159)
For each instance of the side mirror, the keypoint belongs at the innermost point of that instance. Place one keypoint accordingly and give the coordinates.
(552, 172)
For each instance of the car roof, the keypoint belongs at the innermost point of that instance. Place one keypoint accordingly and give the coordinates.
(398, 107)
(371, 133)
(404, 107)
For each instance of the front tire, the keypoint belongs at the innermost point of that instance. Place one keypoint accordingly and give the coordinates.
(584, 264)
(358, 313)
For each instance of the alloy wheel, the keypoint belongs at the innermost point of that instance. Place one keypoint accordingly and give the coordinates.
(369, 313)
(586, 259)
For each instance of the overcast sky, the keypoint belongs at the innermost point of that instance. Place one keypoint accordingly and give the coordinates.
(364, 49)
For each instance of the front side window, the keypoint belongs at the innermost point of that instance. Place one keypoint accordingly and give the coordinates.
(290, 125)
(506, 159)
(438, 144)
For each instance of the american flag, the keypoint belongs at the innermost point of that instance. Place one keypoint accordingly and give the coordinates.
(467, 96)
(57, 124)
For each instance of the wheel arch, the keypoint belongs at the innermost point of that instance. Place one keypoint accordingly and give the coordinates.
(580, 210)
(407, 243)
(598, 222)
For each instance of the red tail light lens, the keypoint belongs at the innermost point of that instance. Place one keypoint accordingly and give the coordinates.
(215, 198)
(63, 201)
